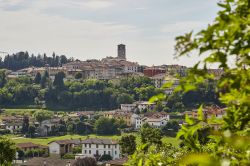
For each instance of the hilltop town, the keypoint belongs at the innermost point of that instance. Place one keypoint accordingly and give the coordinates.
(77, 107)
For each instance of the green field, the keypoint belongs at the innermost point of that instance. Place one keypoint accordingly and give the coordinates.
(45, 141)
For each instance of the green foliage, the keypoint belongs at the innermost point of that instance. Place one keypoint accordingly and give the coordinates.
(69, 156)
(78, 75)
(23, 60)
(77, 150)
(25, 126)
(227, 38)
(42, 115)
(31, 131)
(3, 80)
(58, 82)
(105, 126)
(150, 135)
(38, 78)
(128, 144)
(154, 155)
(105, 157)
(7, 151)
(171, 128)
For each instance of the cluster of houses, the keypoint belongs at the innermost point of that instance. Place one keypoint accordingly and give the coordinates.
(128, 113)
(90, 147)
(114, 68)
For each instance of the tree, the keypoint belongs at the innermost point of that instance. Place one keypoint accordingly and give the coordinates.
(124, 99)
(7, 151)
(25, 127)
(86, 161)
(38, 78)
(171, 128)
(78, 76)
(3, 80)
(225, 39)
(45, 79)
(105, 126)
(42, 115)
(31, 131)
(159, 107)
(105, 157)
(58, 82)
(150, 135)
(128, 144)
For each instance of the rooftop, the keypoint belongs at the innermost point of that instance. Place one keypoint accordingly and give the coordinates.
(100, 141)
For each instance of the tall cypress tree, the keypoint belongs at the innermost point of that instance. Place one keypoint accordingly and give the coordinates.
(38, 78)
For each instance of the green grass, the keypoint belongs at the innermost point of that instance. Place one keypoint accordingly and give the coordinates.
(45, 141)
(20, 111)
(174, 141)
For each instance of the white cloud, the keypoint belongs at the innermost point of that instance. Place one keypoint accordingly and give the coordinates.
(41, 33)
(95, 4)
(183, 26)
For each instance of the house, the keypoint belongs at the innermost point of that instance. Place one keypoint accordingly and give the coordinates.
(48, 161)
(89, 114)
(14, 127)
(61, 147)
(159, 80)
(128, 107)
(154, 119)
(133, 120)
(95, 147)
(46, 126)
(124, 116)
(208, 112)
(155, 122)
(120, 115)
(142, 105)
(157, 115)
(152, 71)
(31, 146)
(138, 122)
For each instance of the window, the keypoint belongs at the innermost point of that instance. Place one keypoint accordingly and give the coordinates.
(89, 145)
(97, 152)
(115, 152)
(104, 146)
(108, 146)
(89, 151)
(97, 146)
(115, 146)
(109, 152)
(85, 145)
(85, 151)
(104, 152)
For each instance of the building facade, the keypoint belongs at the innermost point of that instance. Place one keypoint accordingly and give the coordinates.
(97, 147)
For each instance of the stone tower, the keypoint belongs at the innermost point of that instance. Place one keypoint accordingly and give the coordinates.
(121, 51)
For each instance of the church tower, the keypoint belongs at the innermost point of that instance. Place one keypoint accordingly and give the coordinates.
(121, 51)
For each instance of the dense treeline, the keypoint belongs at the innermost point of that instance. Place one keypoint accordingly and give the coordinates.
(22, 60)
(94, 94)
(84, 94)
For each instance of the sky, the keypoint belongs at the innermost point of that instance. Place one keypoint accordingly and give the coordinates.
(92, 29)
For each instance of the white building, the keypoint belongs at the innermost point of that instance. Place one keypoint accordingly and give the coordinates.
(128, 107)
(13, 127)
(159, 80)
(142, 105)
(138, 122)
(95, 147)
(156, 122)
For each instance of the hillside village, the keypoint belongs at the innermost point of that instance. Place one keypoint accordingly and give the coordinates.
(129, 117)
